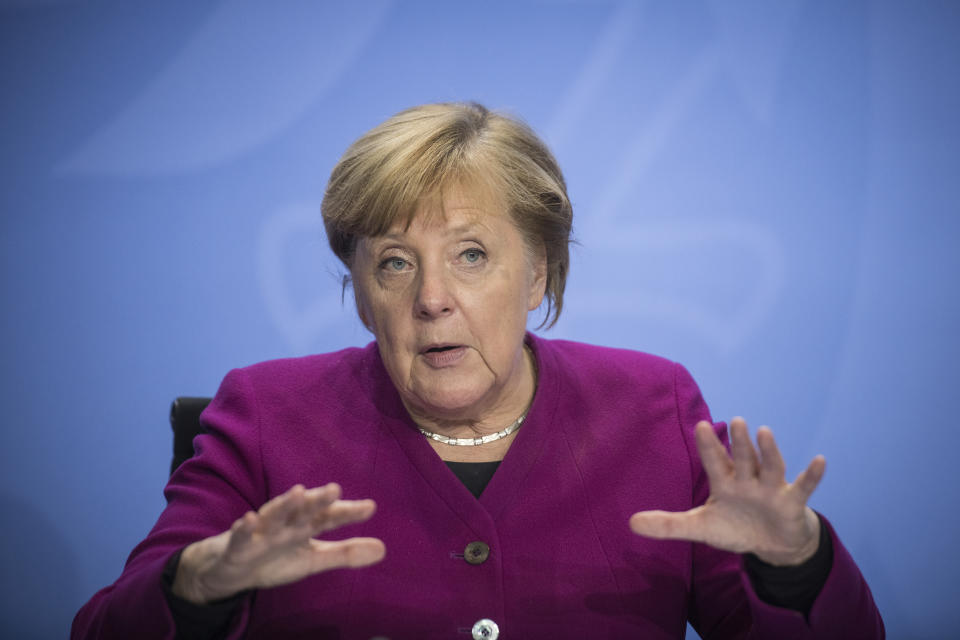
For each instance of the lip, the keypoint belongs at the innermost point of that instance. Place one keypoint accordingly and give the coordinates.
(451, 354)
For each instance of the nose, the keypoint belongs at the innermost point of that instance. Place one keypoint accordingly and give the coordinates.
(434, 297)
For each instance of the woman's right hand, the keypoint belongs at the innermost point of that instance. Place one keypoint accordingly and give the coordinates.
(276, 546)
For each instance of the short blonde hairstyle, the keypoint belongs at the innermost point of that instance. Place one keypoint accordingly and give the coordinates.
(417, 153)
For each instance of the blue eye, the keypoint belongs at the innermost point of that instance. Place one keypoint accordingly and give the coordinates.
(394, 264)
(472, 255)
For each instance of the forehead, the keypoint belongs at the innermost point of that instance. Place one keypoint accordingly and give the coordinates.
(452, 210)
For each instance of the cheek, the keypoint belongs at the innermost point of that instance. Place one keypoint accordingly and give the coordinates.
(372, 309)
(360, 299)
(383, 315)
(507, 309)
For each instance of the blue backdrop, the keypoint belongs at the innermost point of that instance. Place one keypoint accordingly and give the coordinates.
(764, 191)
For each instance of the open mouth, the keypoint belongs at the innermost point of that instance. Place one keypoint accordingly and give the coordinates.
(440, 349)
(443, 355)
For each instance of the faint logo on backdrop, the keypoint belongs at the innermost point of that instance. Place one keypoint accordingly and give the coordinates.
(739, 53)
(721, 279)
(300, 280)
(747, 50)
(232, 87)
(189, 118)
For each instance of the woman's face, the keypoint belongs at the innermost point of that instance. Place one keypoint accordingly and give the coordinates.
(447, 299)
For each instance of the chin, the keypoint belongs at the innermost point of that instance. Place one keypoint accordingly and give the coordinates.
(449, 403)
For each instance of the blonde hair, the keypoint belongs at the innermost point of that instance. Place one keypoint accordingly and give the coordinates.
(415, 154)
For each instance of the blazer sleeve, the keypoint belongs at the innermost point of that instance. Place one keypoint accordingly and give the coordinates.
(724, 604)
(205, 495)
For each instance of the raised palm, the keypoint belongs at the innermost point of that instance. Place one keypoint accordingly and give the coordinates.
(751, 508)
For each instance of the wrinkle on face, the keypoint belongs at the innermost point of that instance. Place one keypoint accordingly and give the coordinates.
(459, 273)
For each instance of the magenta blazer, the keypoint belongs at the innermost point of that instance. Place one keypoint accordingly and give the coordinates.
(610, 432)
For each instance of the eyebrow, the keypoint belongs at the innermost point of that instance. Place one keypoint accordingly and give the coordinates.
(454, 231)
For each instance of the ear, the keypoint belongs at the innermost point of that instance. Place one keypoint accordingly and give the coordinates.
(538, 280)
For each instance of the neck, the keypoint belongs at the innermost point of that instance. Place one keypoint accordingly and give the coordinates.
(515, 403)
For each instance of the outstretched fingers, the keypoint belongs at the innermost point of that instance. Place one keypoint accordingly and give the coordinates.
(309, 512)
(751, 507)
(276, 545)
(298, 515)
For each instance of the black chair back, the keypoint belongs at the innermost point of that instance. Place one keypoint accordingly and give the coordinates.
(185, 422)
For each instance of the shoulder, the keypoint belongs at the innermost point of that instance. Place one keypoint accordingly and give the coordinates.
(602, 364)
(344, 366)
(319, 381)
(616, 377)
(291, 401)
(344, 359)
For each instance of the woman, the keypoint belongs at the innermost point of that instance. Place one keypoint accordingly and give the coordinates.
(614, 511)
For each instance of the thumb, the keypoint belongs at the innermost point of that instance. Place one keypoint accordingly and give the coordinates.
(682, 525)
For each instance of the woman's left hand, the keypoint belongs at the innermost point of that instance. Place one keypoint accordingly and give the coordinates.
(751, 507)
